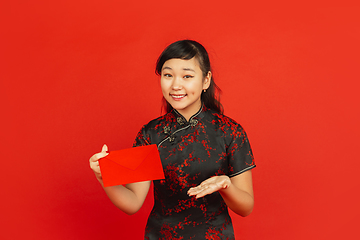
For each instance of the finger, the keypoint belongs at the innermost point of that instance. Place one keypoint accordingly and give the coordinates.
(221, 181)
(96, 169)
(196, 190)
(95, 166)
(193, 191)
(104, 148)
(205, 192)
(97, 156)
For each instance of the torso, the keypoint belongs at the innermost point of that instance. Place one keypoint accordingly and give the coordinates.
(192, 152)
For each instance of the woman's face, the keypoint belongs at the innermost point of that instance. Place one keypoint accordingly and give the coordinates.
(182, 83)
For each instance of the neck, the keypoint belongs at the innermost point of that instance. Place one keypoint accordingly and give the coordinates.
(188, 114)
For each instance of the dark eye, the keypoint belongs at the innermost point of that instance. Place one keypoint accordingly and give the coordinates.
(167, 75)
(188, 76)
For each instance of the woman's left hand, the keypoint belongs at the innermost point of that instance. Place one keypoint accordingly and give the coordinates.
(210, 185)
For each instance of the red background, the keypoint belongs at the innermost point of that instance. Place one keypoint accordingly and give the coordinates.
(78, 74)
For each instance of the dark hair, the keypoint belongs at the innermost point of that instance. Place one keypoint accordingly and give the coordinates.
(187, 49)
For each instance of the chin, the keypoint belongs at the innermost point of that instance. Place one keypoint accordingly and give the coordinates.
(177, 106)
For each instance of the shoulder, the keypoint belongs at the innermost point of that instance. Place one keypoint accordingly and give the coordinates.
(229, 128)
(223, 120)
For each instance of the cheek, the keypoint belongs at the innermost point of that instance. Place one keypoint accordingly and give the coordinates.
(163, 86)
(195, 88)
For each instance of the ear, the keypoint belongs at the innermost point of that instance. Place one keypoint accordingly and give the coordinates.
(207, 80)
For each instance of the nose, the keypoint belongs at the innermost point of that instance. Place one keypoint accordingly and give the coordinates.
(176, 85)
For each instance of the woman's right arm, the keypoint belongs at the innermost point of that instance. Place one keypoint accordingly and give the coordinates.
(128, 198)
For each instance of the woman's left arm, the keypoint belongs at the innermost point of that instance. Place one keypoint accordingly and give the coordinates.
(237, 191)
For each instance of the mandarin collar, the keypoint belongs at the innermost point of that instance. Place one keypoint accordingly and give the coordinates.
(180, 119)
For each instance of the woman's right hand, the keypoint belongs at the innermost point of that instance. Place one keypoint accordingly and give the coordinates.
(130, 197)
(94, 161)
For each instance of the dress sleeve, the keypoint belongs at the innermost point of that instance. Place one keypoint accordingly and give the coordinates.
(239, 153)
(142, 138)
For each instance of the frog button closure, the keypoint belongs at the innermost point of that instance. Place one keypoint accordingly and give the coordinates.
(193, 122)
(171, 138)
(166, 129)
(181, 120)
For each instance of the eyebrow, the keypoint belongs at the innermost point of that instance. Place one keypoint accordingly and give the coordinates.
(189, 69)
(167, 68)
(185, 69)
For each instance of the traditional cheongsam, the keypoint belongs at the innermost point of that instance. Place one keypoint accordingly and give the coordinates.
(207, 145)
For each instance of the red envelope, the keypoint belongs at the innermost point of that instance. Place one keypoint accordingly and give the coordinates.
(130, 165)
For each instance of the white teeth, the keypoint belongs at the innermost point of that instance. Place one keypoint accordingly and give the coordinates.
(178, 96)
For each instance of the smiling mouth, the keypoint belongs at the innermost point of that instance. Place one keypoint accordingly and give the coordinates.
(177, 96)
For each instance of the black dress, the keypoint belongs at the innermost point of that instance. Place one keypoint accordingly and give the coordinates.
(207, 145)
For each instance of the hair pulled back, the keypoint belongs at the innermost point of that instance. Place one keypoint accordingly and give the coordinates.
(187, 49)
